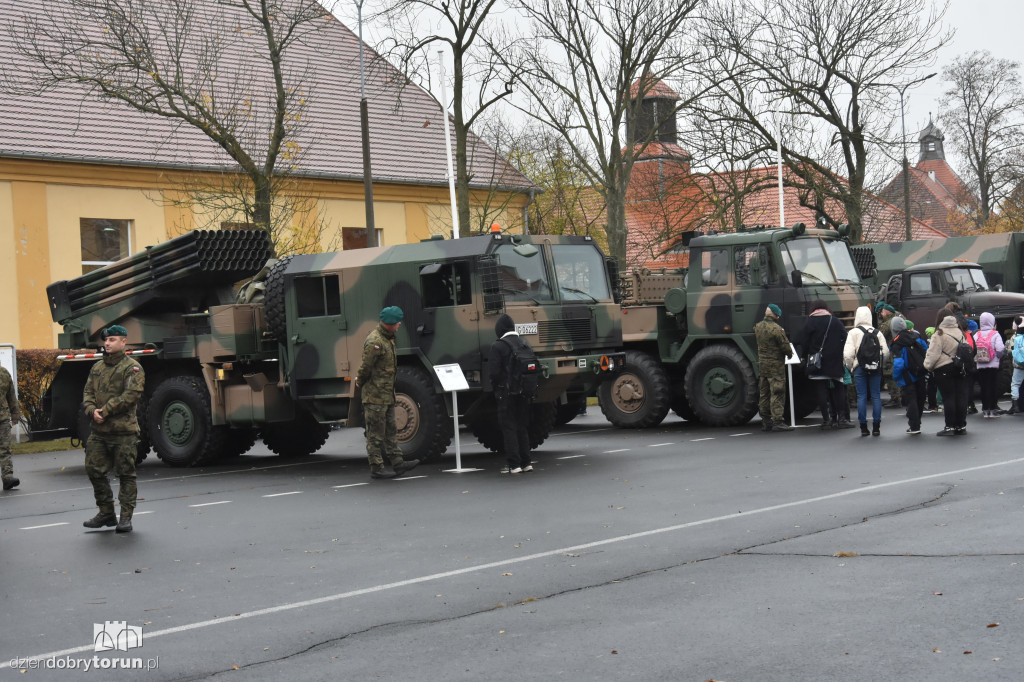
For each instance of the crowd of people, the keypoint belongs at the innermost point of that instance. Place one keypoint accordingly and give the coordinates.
(921, 372)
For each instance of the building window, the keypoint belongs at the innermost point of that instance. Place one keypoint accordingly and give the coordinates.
(355, 238)
(104, 241)
(931, 146)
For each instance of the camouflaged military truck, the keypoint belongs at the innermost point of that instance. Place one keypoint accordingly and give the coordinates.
(223, 369)
(689, 334)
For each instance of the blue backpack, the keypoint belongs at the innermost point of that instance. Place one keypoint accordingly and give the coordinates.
(1018, 351)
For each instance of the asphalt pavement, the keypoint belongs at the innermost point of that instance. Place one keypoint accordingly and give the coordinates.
(674, 553)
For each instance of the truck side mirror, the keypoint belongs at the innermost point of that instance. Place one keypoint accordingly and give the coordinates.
(798, 281)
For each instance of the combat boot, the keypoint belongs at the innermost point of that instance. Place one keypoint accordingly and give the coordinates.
(11, 482)
(100, 520)
(766, 425)
(781, 426)
(125, 524)
(406, 465)
(382, 472)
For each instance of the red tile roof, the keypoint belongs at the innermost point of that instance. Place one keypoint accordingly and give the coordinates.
(406, 126)
(935, 191)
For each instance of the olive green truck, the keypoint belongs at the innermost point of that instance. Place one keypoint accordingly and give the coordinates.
(227, 366)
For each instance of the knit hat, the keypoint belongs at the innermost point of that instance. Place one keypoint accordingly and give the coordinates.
(910, 324)
(899, 325)
(972, 326)
(391, 315)
(114, 330)
(774, 310)
(929, 331)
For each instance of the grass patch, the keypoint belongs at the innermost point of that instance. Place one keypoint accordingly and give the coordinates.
(42, 446)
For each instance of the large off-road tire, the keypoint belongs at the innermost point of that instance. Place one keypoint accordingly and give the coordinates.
(277, 321)
(421, 416)
(638, 395)
(721, 386)
(180, 422)
(566, 412)
(237, 442)
(681, 406)
(805, 394)
(83, 428)
(485, 427)
(299, 437)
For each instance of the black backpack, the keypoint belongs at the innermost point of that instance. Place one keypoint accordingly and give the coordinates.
(915, 358)
(869, 354)
(522, 371)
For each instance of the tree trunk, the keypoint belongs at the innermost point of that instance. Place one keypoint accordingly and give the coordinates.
(461, 157)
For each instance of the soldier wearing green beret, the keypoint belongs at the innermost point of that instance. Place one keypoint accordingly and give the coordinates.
(9, 416)
(376, 379)
(885, 315)
(772, 351)
(111, 395)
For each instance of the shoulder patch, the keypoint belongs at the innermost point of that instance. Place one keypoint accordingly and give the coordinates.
(136, 368)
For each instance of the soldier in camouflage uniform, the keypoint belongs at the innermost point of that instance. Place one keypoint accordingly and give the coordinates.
(376, 379)
(9, 416)
(111, 395)
(885, 314)
(772, 351)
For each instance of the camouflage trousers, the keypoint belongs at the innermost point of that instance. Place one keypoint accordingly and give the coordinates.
(106, 452)
(6, 468)
(772, 391)
(381, 435)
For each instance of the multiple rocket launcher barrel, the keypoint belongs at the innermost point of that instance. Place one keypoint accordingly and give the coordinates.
(198, 259)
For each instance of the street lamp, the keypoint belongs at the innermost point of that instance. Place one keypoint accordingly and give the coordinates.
(906, 163)
(364, 125)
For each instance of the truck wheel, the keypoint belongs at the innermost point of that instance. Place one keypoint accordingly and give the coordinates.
(421, 416)
(485, 427)
(638, 395)
(277, 322)
(805, 395)
(180, 422)
(300, 437)
(237, 442)
(721, 386)
(566, 412)
(681, 406)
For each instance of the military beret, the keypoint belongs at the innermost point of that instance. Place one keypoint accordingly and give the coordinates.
(775, 310)
(114, 330)
(879, 306)
(391, 315)
(889, 308)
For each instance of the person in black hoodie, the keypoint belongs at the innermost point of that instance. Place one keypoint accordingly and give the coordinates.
(911, 380)
(513, 410)
(823, 333)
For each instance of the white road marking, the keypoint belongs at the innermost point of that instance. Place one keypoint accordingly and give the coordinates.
(294, 492)
(608, 452)
(209, 504)
(350, 485)
(48, 525)
(697, 440)
(658, 445)
(573, 433)
(572, 456)
(5, 660)
(138, 513)
(737, 435)
(407, 478)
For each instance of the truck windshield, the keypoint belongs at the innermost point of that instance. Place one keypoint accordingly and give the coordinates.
(967, 279)
(523, 278)
(581, 273)
(824, 260)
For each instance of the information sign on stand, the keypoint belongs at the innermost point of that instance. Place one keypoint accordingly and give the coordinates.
(453, 380)
(793, 359)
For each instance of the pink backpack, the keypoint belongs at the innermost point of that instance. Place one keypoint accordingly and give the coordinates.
(985, 351)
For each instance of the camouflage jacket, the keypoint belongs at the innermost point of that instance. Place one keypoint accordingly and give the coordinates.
(8, 401)
(378, 367)
(772, 345)
(885, 326)
(114, 385)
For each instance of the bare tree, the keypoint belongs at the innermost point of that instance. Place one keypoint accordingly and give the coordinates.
(222, 68)
(416, 26)
(586, 68)
(829, 65)
(983, 112)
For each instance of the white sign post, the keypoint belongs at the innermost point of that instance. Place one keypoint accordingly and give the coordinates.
(793, 359)
(9, 359)
(452, 379)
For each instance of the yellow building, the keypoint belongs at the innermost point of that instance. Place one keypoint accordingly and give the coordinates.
(85, 182)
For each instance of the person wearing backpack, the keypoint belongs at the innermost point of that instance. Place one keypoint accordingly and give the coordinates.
(865, 353)
(1016, 348)
(513, 401)
(945, 361)
(908, 353)
(989, 345)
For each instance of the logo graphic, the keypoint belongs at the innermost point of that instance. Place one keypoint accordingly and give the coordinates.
(116, 635)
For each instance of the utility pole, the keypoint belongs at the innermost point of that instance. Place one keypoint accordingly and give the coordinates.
(364, 124)
(906, 162)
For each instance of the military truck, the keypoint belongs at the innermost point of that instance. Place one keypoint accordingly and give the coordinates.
(224, 368)
(688, 333)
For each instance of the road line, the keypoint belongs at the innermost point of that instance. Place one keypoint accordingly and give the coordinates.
(138, 513)
(658, 445)
(408, 478)
(737, 435)
(575, 456)
(608, 452)
(209, 504)
(697, 440)
(5, 660)
(573, 433)
(48, 525)
(294, 492)
(350, 485)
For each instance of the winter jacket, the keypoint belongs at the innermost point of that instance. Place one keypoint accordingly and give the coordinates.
(813, 338)
(944, 343)
(900, 352)
(114, 385)
(989, 333)
(861, 319)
